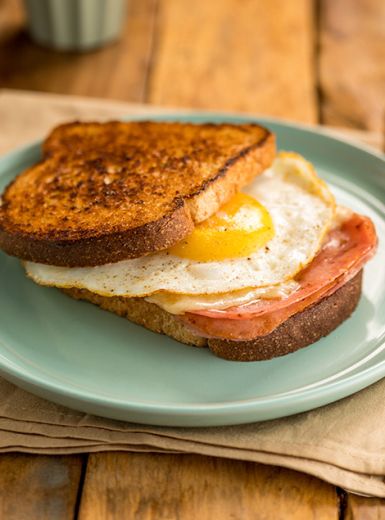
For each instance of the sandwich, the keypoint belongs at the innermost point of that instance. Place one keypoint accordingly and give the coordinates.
(202, 232)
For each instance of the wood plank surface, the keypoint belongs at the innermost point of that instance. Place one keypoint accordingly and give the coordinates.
(11, 19)
(231, 55)
(118, 70)
(362, 508)
(142, 486)
(39, 487)
(219, 54)
(352, 63)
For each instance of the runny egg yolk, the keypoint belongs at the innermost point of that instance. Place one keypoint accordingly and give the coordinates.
(239, 228)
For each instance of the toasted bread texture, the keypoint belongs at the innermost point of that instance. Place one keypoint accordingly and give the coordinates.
(297, 332)
(105, 192)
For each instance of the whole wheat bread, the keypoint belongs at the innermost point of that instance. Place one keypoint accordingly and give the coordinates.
(104, 192)
(297, 332)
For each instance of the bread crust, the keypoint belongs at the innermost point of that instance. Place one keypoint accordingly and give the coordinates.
(297, 332)
(46, 219)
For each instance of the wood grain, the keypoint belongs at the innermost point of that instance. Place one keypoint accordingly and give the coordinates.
(39, 487)
(352, 63)
(11, 19)
(118, 70)
(142, 486)
(222, 54)
(231, 55)
(362, 508)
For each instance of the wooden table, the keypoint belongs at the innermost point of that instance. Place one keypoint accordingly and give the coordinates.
(311, 61)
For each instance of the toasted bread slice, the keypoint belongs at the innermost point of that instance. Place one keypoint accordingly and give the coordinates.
(105, 192)
(297, 332)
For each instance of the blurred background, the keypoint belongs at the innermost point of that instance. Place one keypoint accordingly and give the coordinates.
(314, 61)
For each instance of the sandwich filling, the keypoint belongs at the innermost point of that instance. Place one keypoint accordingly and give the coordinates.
(344, 253)
(272, 251)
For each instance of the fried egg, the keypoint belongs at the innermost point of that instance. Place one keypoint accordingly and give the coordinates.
(263, 237)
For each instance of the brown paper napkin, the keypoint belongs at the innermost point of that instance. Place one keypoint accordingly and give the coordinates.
(342, 443)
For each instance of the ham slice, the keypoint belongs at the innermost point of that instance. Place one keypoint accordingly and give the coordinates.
(342, 256)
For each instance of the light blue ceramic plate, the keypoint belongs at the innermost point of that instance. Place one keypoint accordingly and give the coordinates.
(80, 356)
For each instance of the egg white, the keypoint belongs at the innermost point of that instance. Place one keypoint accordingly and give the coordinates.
(301, 207)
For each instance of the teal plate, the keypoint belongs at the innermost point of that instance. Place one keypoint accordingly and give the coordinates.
(88, 359)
